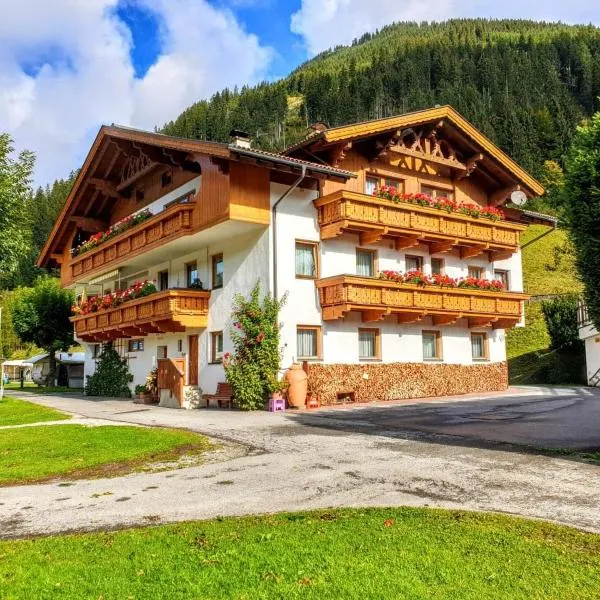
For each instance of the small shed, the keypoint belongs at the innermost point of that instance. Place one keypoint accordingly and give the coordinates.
(12, 369)
(69, 371)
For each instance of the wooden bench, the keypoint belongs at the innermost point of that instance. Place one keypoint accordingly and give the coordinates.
(223, 396)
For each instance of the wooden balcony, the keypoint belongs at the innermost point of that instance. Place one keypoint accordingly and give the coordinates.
(172, 223)
(162, 312)
(376, 298)
(410, 225)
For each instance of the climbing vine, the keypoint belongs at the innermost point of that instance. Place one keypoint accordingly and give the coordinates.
(252, 368)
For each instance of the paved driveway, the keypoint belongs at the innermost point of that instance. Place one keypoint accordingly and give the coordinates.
(540, 417)
(414, 455)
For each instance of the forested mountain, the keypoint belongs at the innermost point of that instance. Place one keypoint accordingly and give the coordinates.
(525, 84)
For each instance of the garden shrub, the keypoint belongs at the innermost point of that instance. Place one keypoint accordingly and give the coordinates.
(112, 376)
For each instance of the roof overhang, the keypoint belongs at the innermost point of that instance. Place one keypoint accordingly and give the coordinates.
(112, 140)
(445, 114)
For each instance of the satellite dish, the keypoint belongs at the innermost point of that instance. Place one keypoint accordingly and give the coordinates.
(518, 197)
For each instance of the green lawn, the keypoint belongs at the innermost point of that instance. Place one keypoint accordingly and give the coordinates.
(20, 412)
(33, 388)
(39, 453)
(399, 553)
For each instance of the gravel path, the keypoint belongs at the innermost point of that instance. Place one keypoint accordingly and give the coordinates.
(303, 461)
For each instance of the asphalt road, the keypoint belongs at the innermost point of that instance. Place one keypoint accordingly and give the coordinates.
(455, 453)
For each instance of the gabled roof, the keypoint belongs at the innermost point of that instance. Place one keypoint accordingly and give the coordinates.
(100, 152)
(446, 113)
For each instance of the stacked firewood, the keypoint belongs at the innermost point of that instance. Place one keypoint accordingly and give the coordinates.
(377, 382)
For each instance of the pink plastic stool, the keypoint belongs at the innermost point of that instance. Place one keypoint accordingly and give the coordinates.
(276, 404)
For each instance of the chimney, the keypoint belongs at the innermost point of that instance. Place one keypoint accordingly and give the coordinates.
(240, 138)
(317, 127)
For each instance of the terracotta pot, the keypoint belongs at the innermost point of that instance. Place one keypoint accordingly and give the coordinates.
(298, 385)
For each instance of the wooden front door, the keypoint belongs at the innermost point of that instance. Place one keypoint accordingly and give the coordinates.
(193, 360)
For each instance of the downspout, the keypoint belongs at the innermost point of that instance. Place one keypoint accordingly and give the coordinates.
(274, 213)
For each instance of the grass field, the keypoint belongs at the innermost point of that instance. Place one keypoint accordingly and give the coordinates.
(33, 388)
(43, 452)
(20, 412)
(407, 553)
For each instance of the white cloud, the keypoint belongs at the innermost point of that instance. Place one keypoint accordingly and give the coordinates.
(327, 23)
(56, 109)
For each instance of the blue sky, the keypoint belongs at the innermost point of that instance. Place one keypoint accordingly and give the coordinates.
(69, 66)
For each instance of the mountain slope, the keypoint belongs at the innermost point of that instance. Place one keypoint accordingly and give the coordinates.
(525, 84)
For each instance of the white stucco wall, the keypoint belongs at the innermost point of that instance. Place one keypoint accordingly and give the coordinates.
(297, 220)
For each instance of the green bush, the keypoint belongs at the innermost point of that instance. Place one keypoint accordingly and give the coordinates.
(112, 376)
(253, 367)
(560, 315)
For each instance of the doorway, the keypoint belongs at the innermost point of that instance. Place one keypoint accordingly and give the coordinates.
(193, 360)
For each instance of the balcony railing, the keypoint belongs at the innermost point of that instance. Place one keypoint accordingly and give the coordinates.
(410, 224)
(378, 298)
(162, 312)
(171, 223)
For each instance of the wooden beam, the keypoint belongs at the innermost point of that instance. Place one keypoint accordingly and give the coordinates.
(470, 165)
(446, 319)
(441, 247)
(482, 321)
(333, 230)
(338, 153)
(370, 316)
(372, 237)
(404, 318)
(472, 251)
(402, 243)
(332, 313)
(501, 196)
(89, 224)
(57, 257)
(108, 188)
(505, 323)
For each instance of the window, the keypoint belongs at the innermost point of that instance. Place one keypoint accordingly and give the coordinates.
(217, 271)
(163, 280)
(372, 182)
(307, 260)
(191, 273)
(414, 263)
(479, 346)
(96, 350)
(437, 192)
(476, 272)
(166, 179)
(503, 277)
(432, 345)
(136, 345)
(161, 352)
(368, 344)
(216, 347)
(437, 266)
(308, 342)
(179, 345)
(366, 262)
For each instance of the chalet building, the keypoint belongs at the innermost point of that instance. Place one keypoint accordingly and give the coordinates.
(402, 272)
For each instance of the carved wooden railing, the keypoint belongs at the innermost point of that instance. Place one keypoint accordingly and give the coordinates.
(410, 224)
(378, 298)
(171, 376)
(162, 312)
(171, 223)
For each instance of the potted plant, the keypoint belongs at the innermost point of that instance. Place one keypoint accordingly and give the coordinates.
(140, 392)
(152, 385)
